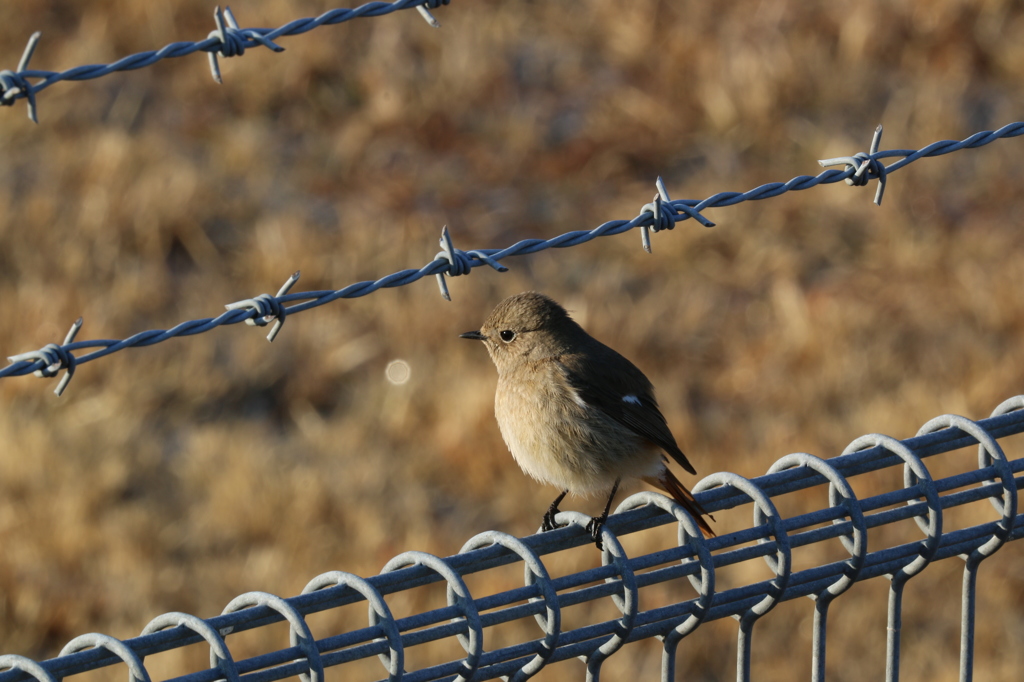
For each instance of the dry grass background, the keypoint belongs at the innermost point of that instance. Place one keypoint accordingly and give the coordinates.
(178, 476)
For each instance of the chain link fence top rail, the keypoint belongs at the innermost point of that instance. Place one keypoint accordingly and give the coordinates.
(660, 214)
(620, 578)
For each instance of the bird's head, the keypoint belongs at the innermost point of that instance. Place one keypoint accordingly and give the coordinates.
(526, 327)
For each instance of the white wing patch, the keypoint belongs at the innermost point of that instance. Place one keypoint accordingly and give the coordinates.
(578, 400)
(630, 398)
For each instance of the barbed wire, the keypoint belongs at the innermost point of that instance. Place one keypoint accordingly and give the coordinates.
(661, 214)
(621, 578)
(227, 39)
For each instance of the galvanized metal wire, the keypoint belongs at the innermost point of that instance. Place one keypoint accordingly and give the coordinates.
(621, 578)
(661, 214)
(227, 39)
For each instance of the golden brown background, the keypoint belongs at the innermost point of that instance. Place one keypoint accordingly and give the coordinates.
(178, 476)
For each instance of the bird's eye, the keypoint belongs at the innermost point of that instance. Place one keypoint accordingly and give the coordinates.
(507, 335)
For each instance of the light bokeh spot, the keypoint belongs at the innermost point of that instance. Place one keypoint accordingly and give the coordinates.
(397, 372)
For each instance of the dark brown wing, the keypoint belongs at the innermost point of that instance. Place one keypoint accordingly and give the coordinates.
(605, 380)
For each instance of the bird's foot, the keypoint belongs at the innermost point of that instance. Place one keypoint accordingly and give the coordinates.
(549, 515)
(596, 524)
(594, 527)
(549, 521)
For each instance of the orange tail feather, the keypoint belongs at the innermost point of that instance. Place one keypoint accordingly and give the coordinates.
(674, 487)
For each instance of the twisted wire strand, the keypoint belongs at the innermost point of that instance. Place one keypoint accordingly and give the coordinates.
(659, 215)
(228, 40)
(997, 477)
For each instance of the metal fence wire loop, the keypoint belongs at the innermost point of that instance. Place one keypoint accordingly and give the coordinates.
(458, 596)
(26, 665)
(1009, 405)
(535, 574)
(612, 553)
(220, 655)
(689, 534)
(989, 446)
(299, 634)
(765, 514)
(379, 615)
(136, 670)
(915, 474)
(840, 494)
(989, 455)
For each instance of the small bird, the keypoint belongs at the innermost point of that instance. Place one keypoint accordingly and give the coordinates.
(575, 413)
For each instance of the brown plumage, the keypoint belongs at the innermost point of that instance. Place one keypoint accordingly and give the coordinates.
(573, 412)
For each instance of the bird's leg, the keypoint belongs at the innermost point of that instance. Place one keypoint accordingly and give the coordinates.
(597, 522)
(549, 516)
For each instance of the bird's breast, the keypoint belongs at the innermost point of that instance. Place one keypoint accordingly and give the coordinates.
(557, 438)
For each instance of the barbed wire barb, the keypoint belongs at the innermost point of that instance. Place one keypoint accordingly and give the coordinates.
(268, 308)
(459, 262)
(15, 84)
(425, 8)
(665, 219)
(865, 166)
(233, 39)
(54, 359)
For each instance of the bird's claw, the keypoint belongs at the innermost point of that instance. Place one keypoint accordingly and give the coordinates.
(594, 527)
(549, 522)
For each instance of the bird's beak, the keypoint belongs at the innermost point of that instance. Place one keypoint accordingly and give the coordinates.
(475, 336)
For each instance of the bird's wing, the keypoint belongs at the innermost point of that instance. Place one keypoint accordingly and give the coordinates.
(624, 394)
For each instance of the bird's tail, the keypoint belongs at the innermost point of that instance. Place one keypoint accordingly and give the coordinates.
(668, 482)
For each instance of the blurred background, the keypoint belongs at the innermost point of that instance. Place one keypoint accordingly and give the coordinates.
(175, 477)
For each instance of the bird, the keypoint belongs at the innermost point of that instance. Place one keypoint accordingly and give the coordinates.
(575, 413)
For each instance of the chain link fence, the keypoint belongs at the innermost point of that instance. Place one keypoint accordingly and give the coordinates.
(691, 565)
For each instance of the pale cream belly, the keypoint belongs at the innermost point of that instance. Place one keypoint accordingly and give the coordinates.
(560, 441)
